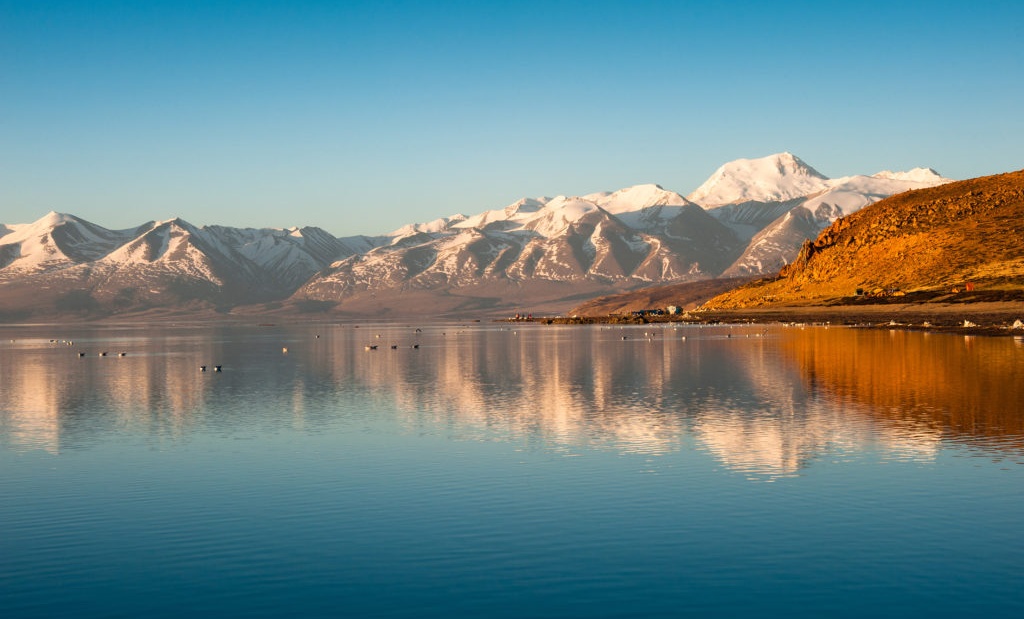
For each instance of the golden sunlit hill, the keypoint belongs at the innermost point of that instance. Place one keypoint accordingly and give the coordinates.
(957, 243)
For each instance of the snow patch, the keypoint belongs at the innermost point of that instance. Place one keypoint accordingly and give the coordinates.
(636, 198)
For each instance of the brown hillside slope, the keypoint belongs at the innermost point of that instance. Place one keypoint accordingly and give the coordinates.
(687, 295)
(926, 244)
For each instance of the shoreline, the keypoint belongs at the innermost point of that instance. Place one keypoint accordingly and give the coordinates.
(986, 318)
(993, 318)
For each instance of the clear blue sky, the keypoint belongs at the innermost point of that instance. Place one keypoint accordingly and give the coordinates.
(359, 117)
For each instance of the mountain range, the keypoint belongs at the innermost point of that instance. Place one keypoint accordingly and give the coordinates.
(750, 217)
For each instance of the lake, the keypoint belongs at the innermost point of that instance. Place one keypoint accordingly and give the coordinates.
(509, 470)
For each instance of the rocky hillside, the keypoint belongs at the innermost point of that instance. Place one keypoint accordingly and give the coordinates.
(963, 241)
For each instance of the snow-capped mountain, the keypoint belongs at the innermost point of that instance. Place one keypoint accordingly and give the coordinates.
(776, 178)
(70, 263)
(775, 202)
(750, 217)
(603, 241)
(53, 242)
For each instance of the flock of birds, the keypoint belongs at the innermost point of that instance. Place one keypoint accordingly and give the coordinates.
(369, 347)
(102, 353)
(220, 368)
(653, 335)
(393, 346)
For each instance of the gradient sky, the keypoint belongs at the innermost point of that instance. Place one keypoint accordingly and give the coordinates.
(360, 117)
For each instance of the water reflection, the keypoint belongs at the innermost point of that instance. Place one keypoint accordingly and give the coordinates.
(763, 402)
(920, 385)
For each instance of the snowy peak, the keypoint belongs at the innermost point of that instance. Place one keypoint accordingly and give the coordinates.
(637, 198)
(769, 179)
(53, 219)
(525, 205)
(924, 176)
(438, 225)
(18, 233)
(153, 244)
(558, 214)
(515, 215)
(639, 206)
(58, 238)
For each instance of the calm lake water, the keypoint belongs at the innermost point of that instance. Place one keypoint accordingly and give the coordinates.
(509, 471)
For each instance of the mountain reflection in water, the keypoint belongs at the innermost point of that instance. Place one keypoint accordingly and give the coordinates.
(763, 401)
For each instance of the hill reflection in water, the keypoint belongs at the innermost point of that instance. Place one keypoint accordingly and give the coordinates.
(964, 388)
(765, 402)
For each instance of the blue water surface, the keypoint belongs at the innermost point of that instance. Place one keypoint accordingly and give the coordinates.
(509, 471)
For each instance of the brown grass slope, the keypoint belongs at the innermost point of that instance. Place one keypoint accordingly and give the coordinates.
(687, 295)
(926, 244)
